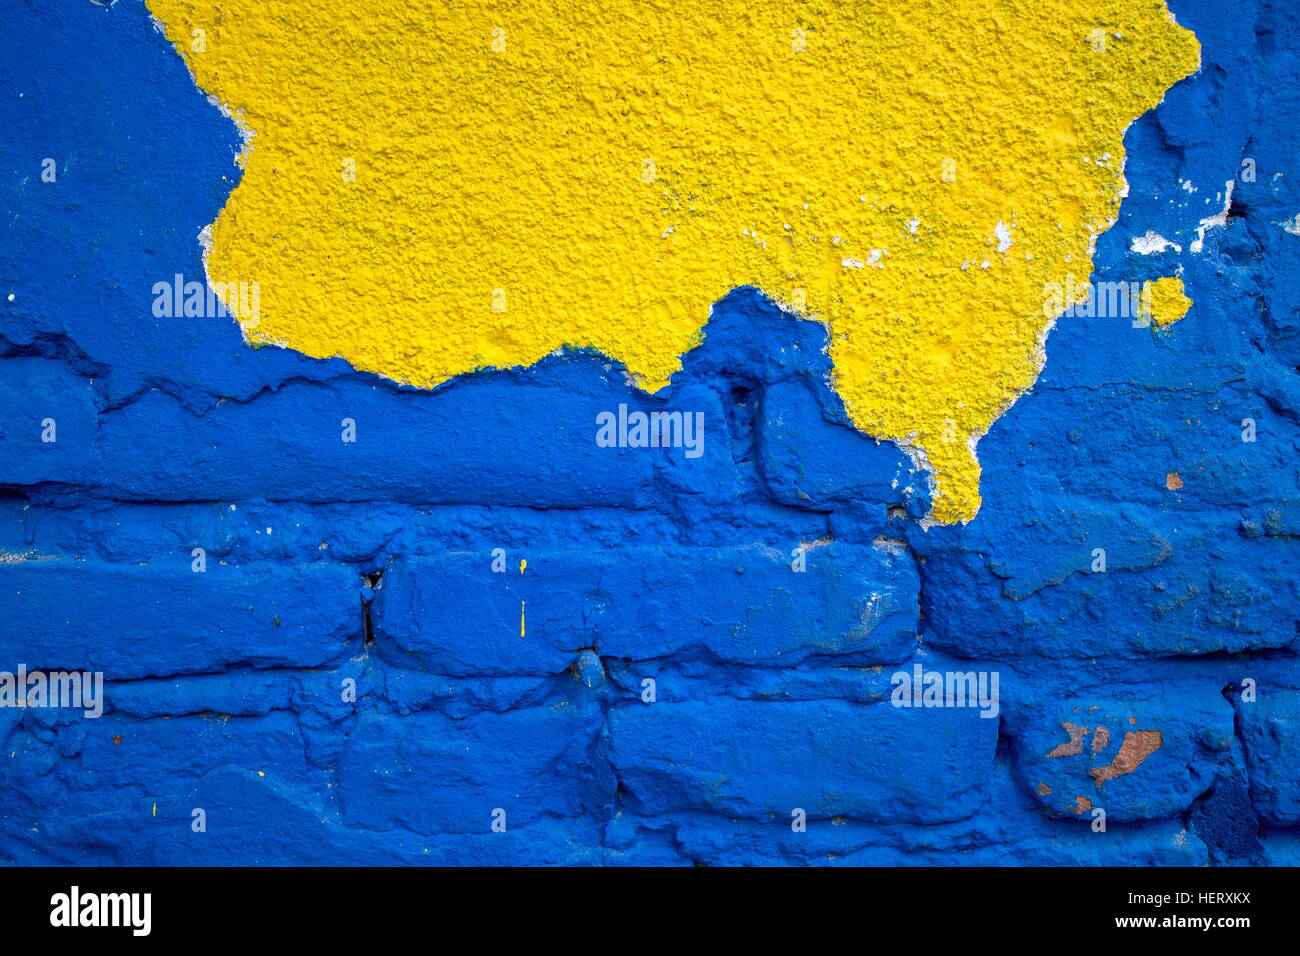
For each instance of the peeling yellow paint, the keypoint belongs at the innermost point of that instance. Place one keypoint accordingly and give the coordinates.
(433, 189)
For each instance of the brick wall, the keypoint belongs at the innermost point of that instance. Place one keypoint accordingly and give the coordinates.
(697, 651)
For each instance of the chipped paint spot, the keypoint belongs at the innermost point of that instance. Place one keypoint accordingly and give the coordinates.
(1137, 746)
(1074, 745)
(1152, 243)
(1100, 739)
(1217, 221)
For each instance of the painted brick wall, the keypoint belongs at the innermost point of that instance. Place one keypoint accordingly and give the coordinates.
(332, 565)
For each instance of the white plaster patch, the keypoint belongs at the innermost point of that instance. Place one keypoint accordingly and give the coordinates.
(1152, 243)
(1003, 235)
(1219, 219)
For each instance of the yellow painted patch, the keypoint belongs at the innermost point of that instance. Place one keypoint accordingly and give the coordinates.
(1165, 301)
(433, 189)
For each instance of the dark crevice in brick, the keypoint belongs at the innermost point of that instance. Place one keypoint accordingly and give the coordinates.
(371, 581)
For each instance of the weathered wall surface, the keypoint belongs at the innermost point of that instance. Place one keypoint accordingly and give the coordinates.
(332, 564)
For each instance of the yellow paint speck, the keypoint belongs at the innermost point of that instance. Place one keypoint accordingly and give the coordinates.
(521, 618)
(1165, 301)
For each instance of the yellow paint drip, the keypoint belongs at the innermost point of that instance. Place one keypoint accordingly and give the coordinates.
(433, 189)
(1165, 301)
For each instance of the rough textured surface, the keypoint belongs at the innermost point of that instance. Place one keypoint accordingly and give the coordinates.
(330, 562)
(598, 174)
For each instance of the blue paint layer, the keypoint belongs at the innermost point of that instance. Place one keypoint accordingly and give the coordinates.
(346, 680)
